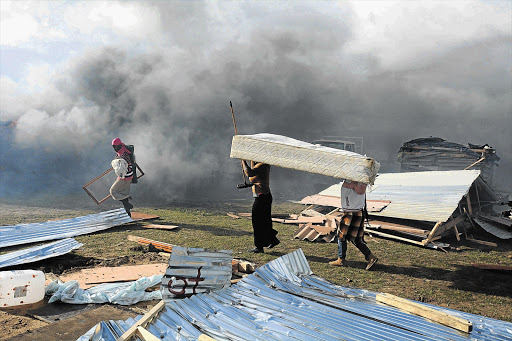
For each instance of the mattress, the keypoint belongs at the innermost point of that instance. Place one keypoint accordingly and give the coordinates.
(285, 152)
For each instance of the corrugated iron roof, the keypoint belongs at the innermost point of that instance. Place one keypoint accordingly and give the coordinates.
(196, 270)
(284, 300)
(51, 230)
(426, 196)
(37, 253)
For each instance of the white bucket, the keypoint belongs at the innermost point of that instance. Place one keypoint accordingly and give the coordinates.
(20, 287)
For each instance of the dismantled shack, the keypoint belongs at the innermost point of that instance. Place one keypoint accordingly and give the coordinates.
(420, 207)
(436, 154)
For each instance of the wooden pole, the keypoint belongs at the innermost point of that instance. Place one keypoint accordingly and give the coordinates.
(236, 133)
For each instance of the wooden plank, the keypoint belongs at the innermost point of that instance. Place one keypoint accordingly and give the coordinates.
(470, 209)
(160, 227)
(143, 241)
(432, 233)
(426, 312)
(387, 235)
(456, 232)
(451, 223)
(418, 232)
(301, 220)
(136, 216)
(483, 242)
(204, 337)
(145, 335)
(143, 321)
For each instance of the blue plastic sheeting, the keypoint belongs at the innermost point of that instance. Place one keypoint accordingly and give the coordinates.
(37, 253)
(283, 300)
(51, 230)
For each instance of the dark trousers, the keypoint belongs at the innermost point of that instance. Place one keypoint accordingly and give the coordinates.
(358, 242)
(264, 234)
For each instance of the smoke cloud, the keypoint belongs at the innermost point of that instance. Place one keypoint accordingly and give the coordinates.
(299, 70)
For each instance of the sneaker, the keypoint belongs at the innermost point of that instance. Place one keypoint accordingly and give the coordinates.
(274, 243)
(338, 262)
(256, 250)
(371, 261)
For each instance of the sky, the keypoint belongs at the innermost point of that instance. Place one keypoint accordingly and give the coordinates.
(160, 75)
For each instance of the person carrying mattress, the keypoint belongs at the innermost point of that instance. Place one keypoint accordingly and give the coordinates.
(350, 226)
(264, 234)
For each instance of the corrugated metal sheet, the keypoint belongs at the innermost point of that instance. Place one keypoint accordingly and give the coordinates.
(196, 270)
(37, 253)
(425, 196)
(501, 233)
(283, 300)
(51, 230)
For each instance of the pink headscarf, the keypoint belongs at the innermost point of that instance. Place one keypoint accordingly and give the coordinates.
(123, 150)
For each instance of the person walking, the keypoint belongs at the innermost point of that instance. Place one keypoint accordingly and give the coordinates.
(351, 223)
(264, 234)
(124, 167)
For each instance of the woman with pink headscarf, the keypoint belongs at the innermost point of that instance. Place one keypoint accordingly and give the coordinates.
(123, 165)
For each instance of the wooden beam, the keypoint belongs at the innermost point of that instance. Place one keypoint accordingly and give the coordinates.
(142, 322)
(387, 235)
(426, 312)
(456, 232)
(483, 242)
(204, 337)
(161, 227)
(145, 335)
(451, 223)
(478, 197)
(470, 209)
(432, 233)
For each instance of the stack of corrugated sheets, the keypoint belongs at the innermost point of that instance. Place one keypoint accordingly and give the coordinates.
(282, 151)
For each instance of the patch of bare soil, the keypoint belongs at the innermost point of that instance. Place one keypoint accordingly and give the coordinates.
(13, 324)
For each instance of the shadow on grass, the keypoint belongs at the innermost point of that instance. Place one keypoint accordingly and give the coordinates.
(217, 231)
(466, 278)
(57, 265)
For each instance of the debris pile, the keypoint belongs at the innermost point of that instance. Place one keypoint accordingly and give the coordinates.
(416, 207)
(436, 154)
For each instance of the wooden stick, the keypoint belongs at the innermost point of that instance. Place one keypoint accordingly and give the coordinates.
(236, 133)
(427, 312)
(474, 163)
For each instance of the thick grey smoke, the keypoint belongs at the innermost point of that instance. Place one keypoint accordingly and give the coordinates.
(288, 74)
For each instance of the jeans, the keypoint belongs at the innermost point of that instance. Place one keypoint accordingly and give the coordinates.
(358, 242)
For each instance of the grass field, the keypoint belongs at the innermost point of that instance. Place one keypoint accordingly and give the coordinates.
(436, 277)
